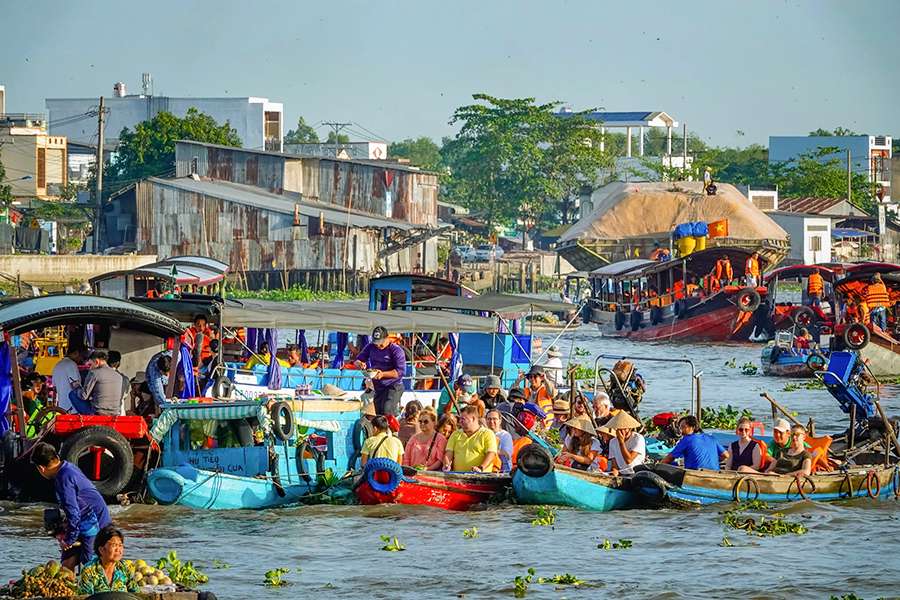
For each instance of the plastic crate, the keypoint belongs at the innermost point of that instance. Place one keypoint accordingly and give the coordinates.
(132, 427)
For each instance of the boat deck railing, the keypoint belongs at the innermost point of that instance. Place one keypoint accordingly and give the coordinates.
(695, 374)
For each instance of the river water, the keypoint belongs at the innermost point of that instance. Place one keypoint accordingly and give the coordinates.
(850, 546)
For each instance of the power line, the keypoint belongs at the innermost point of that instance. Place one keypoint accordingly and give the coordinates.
(336, 128)
(380, 138)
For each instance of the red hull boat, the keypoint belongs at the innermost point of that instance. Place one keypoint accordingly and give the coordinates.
(381, 484)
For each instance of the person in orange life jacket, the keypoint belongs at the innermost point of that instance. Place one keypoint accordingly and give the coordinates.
(192, 336)
(693, 289)
(877, 299)
(678, 289)
(529, 418)
(723, 272)
(751, 270)
(815, 288)
(537, 388)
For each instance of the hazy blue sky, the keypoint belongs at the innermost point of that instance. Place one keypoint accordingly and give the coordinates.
(400, 68)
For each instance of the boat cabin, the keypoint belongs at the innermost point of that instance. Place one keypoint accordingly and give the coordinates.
(171, 276)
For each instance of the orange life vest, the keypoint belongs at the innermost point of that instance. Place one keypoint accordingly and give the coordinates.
(877, 295)
(723, 269)
(678, 289)
(815, 285)
(518, 445)
(752, 268)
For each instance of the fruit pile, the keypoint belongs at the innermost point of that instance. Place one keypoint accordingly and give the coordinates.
(44, 581)
(143, 574)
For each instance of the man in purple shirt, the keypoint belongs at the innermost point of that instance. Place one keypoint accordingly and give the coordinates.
(388, 361)
(85, 510)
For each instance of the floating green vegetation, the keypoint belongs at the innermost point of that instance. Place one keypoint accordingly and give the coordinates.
(564, 579)
(748, 368)
(220, 564)
(610, 545)
(545, 516)
(470, 534)
(731, 364)
(725, 543)
(579, 351)
(551, 436)
(812, 384)
(275, 577)
(582, 372)
(392, 545)
(292, 294)
(722, 417)
(522, 582)
(773, 526)
(182, 573)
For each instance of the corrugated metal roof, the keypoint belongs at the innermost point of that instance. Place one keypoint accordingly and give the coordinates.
(254, 196)
(372, 163)
(808, 204)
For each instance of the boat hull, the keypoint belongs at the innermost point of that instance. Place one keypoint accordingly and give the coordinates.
(700, 487)
(449, 491)
(197, 488)
(785, 365)
(882, 355)
(563, 486)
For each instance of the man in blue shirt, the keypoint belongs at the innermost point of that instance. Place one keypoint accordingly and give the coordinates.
(699, 450)
(85, 510)
(387, 360)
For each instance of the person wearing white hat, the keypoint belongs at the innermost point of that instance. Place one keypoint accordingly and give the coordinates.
(554, 367)
(781, 439)
(628, 449)
(581, 449)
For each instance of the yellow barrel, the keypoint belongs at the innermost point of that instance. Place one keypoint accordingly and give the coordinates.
(700, 243)
(685, 245)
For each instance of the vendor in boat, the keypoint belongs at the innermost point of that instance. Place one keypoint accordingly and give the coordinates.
(462, 394)
(78, 499)
(494, 422)
(493, 393)
(537, 388)
(745, 452)
(106, 572)
(382, 443)
(723, 271)
(628, 448)
(387, 361)
(581, 448)
(425, 450)
(471, 447)
(698, 450)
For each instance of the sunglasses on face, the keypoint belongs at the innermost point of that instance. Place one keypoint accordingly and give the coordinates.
(424, 421)
(743, 429)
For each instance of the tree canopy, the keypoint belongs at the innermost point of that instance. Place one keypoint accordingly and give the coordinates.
(5, 190)
(304, 134)
(149, 150)
(515, 161)
(838, 131)
(421, 152)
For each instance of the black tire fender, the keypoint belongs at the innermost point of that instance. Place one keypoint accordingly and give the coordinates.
(534, 460)
(78, 446)
(318, 456)
(747, 300)
(803, 316)
(283, 425)
(856, 336)
(222, 387)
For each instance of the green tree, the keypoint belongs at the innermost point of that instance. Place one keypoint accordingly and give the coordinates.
(149, 150)
(341, 138)
(838, 131)
(814, 174)
(745, 166)
(517, 161)
(421, 152)
(304, 134)
(5, 190)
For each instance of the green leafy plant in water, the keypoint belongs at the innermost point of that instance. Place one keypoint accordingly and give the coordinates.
(610, 545)
(391, 545)
(182, 573)
(812, 384)
(470, 533)
(722, 417)
(749, 368)
(291, 294)
(582, 372)
(328, 478)
(551, 436)
(220, 564)
(731, 364)
(579, 351)
(725, 543)
(522, 582)
(545, 516)
(773, 526)
(275, 577)
(564, 579)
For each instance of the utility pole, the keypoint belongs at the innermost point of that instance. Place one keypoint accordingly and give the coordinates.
(336, 129)
(849, 178)
(684, 156)
(98, 201)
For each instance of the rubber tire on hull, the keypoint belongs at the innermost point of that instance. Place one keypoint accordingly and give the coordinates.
(222, 387)
(383, 465)
(850, 336)
(747, 300)
(80, 443)
(816, 362)
(534, 460)
(636, 318)
(283, 426)
(803, 316)
(317, 455)
(648, 480)
(362, 429)
(619, 320)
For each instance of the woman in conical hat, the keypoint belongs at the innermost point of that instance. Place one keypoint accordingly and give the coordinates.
(580, 451)
(628, 449)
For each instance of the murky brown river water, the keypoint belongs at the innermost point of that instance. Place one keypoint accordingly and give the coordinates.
(850, 547)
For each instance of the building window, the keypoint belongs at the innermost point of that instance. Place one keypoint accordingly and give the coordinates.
(194, 165)
(817, 227)
(815, 243)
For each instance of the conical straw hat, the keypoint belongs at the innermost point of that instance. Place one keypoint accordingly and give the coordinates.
(623, 421)
(582, 423)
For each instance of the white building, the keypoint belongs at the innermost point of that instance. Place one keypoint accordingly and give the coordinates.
(810, 236)
(258, 122)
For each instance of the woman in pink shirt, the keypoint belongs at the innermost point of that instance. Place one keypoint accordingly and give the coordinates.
(425, 449)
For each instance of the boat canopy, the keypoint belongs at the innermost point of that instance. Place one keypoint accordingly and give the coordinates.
(69, 309)
(704, 261)
(798, 271)
(180, 270)
(620, 268)
(856, 283)
(504, 304)
(346, 316)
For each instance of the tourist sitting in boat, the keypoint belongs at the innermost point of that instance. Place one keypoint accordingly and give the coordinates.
(425, 449)
(447, 424)
(781, 439)
(553, 367)
(603, 409)
(102, 391)
(263, 357)
(387, 362)
(106, 572)
(451, 400)
(537, 389)
(64, 373)
(504, 440)
(628, 448)
(803, 340)
(529, 419)
(512, 404)
(796, 460)
(561, 412)
(471, 447)
(381, 444)
(581, 448)
(409, 424)
(745, 452)
(698, 450)
(294, 357)
(493, 393)
(34, 393)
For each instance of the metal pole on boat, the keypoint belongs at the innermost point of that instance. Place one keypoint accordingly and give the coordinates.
(851, 438)
(699, 405)
(17, 386)
(694, 373)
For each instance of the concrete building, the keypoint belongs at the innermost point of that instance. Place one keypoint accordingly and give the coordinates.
(810, 236)
(869, 154)
(35, 162)
(258, 122)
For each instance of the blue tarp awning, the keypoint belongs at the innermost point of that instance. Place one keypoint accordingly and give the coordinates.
(849, 232)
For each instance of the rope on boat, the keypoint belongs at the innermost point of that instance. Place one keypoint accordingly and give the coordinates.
(195, 486)
(736, 490)
(800, 485)
(849, 481)
(871, 477)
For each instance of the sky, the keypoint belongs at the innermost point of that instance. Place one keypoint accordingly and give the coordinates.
(734, 72)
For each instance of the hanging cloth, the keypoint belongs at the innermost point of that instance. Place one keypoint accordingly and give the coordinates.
(252, 345)
(456, 364)
(303, 346)
(342, 338)
(274, 370)
(5, 387)
(186, 369)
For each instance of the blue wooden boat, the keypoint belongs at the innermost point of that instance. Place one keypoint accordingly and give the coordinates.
(253, 454)
(537, 480)
(699, 487)
(791, 362)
